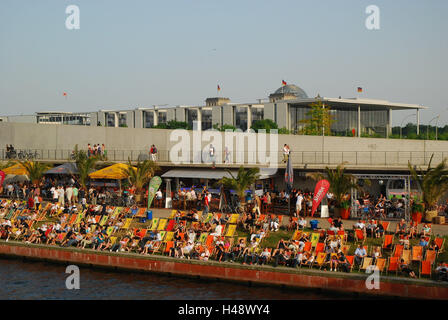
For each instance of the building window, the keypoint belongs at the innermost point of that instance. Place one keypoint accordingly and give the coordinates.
(110, 119)
(122, 121)
(162, 117)
(191, 115)
(240, 118)
(257, 113)
(148, 119)
(206, 115)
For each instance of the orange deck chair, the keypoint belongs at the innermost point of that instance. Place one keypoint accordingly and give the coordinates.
(387, 243)
(417, 253)
(393, 265)
(425, 268)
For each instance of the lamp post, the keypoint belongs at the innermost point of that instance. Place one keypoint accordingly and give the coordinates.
(401, 125)
(427, 129)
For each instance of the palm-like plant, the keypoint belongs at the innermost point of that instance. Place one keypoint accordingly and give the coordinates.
(433, 182)
(341, 182)
(140, 174)
(6, 164)
(243, 181)
(35, 169)
(84, 164)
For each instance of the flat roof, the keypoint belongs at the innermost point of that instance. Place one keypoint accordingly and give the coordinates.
(356, 101)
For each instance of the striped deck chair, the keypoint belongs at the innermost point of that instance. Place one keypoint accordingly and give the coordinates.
(233, 218)
(169, 236)
(440, 243)
(380, 263)
(425, 268)
(320, 260)
(155, 222)
(162, 224)
(398, 250)
(307, 247)
(203, 237)
(127, 223)
(393, 265)
(230, 230)
(359, 235)
(417, 253)
(314, 239)
(431, 256)
(320, 247)
(387, 243)
(170, 225)
(366, 262)
(109, 230)
(406, 256)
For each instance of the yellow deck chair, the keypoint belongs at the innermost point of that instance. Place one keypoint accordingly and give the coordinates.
(127, 223)
(314, 239)
(406, 256)
(234, 218)
(109, 230)
(103, 220)
(296, 235)
(155, 222)
(79, 218)
(93, 228)
(380, 264)
(169, 236)
(113, 240)
(173, 213)
(365, 263)
(231, 230)
(162, 224)
(208, 218)
(203, 237)
(162, 235)
(320, 260)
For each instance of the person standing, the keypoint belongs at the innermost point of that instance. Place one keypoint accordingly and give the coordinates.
(285, 153)
(69, 194)
(299, 202)
(212, 155)
(153, 153)
(61, 194)
(206, 203)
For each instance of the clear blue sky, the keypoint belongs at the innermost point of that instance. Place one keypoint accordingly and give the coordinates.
(139, 52)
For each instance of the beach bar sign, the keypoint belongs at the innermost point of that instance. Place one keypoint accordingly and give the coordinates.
(319, 192)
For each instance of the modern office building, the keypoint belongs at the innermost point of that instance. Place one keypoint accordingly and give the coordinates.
(287, 106)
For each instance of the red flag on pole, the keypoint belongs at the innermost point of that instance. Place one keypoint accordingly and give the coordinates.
(219, 88)
(2, 178)
(283, 83)
(359, 89)
(319, 192)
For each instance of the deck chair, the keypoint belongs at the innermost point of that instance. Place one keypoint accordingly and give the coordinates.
(430, 256)
(345, 248)
(385, 226)
(366, 262)
(359, 235)
(97, 218)
(127, 223)
(351, 260)
(233, 218)
(209, 240)
(417, 253)
(393, 265)
(320, 260)
(440, 242)
(162, 224)
(343, 235)
(320, 247)
(61, 237)
(406, 256)
(425, 268)
(113, 240)
(173, 214)
(208, 218)
(231, 230)
(168, 246)
(307, 247)
(103, 220)
(380, 263)
(169, 236)
(170, 225)
(203, 237)
(72, 219)
(314, 239)
(296, 235)
(109, 230)
(155, 222)
(387, 243)
(398, 250)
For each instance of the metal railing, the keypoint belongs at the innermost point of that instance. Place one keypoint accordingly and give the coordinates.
(352, 158)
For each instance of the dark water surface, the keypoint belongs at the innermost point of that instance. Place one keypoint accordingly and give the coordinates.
(40, 280)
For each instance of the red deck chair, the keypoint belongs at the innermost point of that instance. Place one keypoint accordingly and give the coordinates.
(359, 235)
(393, 265)
(387, 243)
(417, 253)
(398, 250)
(350, 260)
(425, 268)
(307, 247)
(385, 226)
(209, 241)
(169, 245)
(320, 247)
(439, 242)
(170, 225)
(430, 256)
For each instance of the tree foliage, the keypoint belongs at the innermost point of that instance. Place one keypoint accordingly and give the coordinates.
(318, 120)
(266, 124)
(244, 179)
(85, 165)
(35, 169)
(140, 174)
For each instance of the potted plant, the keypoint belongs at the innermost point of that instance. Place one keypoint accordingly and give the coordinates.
(345, 209)
(417, 211)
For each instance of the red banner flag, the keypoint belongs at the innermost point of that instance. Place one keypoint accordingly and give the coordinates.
(319, 192)
(2, 178)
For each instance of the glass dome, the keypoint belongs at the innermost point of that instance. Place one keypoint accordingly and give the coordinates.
(293, 89)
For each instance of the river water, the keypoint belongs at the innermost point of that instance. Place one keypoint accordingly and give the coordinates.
(40, 280)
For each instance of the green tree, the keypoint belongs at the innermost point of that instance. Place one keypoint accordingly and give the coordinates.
(433, 183)
(341, 182)
(6, 164)
(244, 179)
(35, 169)
(140, 175)
(85, 165)
(173, 124)
(224, 127)
(318, 121)
(266, 124)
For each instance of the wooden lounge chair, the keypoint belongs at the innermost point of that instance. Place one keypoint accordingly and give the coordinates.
(392, 265)
(406, 256)
(398, 250)
(162, 224)
(359, 235)
(155, 222)
(380, 263)
(366, 262)
(231, 230)
(320, 247)
(417, 253)
(431, 256)
(314, 239)
(440, 243)
(307, 247)
(425, 268)
(351, 260)
(171, 224)
(387, 243)
(320, 260)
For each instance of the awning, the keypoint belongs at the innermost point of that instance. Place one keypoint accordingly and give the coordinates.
(16, 169)
(208, 174)
(115, 172)
(66, 168)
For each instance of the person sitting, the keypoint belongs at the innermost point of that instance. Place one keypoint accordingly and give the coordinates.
(426, 230)
(423, 242)
(376, 254)
(370, 228)
(301, 224)
(441, 272)
(379, 230)
(401, 228)
(338, 224)
(404, 267)
(360, 225)
(343, 262)
(360, 254)
(334, 262)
